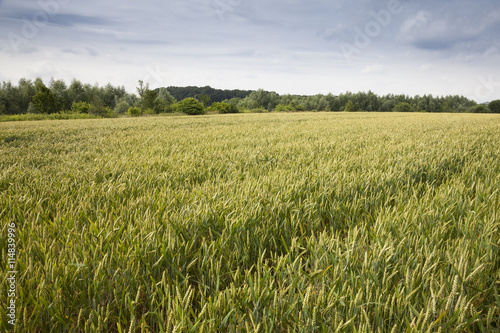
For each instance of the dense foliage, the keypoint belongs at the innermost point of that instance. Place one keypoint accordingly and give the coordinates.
(35, 97)
(402, 107)
(296, 222)
(494, 106)
(223, 107)
(215, 95)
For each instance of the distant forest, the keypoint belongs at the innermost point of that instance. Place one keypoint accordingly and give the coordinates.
(56, 96)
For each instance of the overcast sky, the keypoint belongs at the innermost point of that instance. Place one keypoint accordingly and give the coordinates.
(414, 47)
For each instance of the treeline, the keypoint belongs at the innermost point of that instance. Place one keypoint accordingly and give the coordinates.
(36, 97)
(262, 100)
(362, 101)
(215, 95)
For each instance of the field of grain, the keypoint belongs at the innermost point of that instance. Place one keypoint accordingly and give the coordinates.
(310, 222)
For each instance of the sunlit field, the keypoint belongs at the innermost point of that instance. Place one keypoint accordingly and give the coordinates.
(280, 222)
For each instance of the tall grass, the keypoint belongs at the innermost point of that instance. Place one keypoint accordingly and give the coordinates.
(52, 116)
(311, 222)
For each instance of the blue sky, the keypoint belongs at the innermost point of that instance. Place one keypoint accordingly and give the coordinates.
(295, 46)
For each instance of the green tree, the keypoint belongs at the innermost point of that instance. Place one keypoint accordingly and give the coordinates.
(494, 106)
(76, 92)
(44, 100)
(234, 104)
(349, 107)
(147, 96)
(446, 107)
(164, 94)
(402, 107)
(26, 93)
(190, 106)
(204, 99)
(248, 103)
(164, 101)
(261, 98)
(59, 88)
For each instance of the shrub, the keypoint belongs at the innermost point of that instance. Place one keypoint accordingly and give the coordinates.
(149, 111)
(134, 111)
(223, 107)
(282, 107)
(191, 106)
(290, 107)
(174, 107)
(402, 107)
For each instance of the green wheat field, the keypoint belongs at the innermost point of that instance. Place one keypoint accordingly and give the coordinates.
(279, 222)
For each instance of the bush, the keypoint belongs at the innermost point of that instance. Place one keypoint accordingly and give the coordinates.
(282, 107)
(149, 111)
(191, 106)
(122, 107)
(494, 106)
(173, 108)
(290, 107)
(134, 111)
(402, 107)
(223, 107)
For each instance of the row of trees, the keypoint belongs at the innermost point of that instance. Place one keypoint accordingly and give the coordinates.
(56, 97)
(37, 97)
(362, 101)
